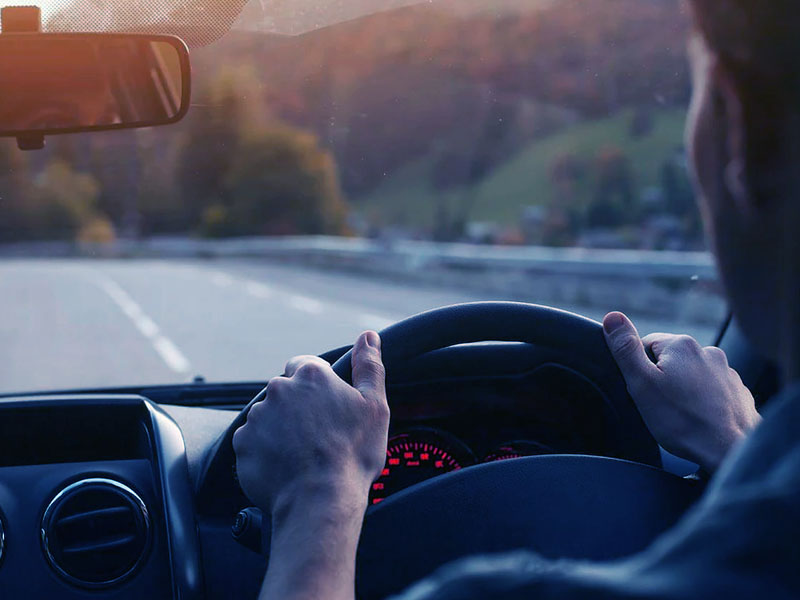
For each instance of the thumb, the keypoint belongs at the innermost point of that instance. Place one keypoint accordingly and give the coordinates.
(627, 349)
(369, 376)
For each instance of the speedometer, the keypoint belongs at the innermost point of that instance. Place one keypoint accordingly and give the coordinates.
(417, 455)
(517, 450)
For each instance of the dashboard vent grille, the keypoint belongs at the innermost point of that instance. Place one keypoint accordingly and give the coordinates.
(96, 532)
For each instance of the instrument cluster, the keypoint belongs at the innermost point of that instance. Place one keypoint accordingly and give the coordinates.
(418, 454)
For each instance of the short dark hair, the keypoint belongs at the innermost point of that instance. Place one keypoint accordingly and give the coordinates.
(756, 36)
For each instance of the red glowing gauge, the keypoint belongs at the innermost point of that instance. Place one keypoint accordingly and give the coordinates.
(517, 450)
(417, 455)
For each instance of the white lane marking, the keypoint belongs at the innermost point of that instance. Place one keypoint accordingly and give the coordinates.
(367, 320)
(305, 304)
(221, 279)
(147, 326)
(259, 290)
(168, 351)
(172, 356)
(373, 321)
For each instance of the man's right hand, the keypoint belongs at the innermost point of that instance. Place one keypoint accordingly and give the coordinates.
(694, 404)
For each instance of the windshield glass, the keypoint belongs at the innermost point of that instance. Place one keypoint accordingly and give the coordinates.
(332, 179)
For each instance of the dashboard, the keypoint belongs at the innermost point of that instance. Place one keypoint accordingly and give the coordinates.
(133, 493)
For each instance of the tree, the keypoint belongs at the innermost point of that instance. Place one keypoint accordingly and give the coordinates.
(206, 153)
(567, 174)
(233, 107)
(678, 195)
(116, 163)
(160, 202)
(59, 203)
(677, 188)
(13, 188)
(97, 230)
(280, 182)
(465, 162)
(612, 204)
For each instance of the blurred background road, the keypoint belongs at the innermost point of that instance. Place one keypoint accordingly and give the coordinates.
(83, 323)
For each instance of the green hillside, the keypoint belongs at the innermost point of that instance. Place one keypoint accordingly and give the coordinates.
(408, 196)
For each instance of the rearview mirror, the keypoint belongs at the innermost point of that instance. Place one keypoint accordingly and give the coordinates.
(67, 83)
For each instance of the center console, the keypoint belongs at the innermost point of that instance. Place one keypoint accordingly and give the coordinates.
(94, 499)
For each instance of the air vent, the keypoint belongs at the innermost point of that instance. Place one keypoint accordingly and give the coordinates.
(96, 532)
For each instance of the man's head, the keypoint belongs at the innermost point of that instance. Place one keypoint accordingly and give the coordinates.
(743, 136)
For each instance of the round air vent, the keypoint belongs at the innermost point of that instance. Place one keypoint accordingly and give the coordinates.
(96, 532)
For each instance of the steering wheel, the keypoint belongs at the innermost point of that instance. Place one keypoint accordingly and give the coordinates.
(558, 505)
(519, 322)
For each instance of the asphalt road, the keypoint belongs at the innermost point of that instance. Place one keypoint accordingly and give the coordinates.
(84, 323)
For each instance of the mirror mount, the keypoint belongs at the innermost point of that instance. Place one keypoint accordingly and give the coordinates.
(32, 141)
(127, 80)
(23, 19)
(20, 19)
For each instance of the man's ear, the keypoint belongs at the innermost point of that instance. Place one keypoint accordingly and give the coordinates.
(758, 125)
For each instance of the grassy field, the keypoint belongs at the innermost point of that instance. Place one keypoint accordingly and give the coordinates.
(408, 197)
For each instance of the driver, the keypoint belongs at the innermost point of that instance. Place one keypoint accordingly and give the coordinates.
(310, 451)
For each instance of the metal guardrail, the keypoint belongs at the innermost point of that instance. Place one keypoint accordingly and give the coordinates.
(413, 254)
(649, 282)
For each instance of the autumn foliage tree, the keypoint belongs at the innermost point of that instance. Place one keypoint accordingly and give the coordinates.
(613, 202)
(59, 204)
(280, 182)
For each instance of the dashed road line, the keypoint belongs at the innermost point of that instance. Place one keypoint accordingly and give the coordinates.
(259, 290)
(305, 304)
(169, 352)
(372, 321)
(221, 279)
(366, 319)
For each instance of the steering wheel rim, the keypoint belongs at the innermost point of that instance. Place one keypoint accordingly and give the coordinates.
(519, 322)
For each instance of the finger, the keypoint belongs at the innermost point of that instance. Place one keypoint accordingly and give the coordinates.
(716, 355)
(369, 376)
(253, 411)
(297, 361)
(664, 344)
(627, 349)
(274, 387)
(239, 441)
(656, 343)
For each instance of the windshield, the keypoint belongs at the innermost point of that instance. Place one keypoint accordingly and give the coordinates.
(340, 170)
